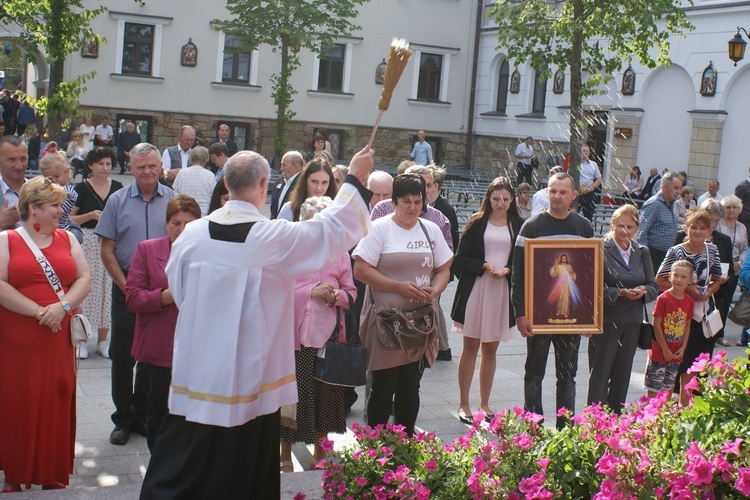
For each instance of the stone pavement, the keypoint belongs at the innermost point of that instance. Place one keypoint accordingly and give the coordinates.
(104, 471)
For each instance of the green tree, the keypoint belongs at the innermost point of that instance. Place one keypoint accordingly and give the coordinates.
(287, 26)
(56, 28)
(593, 38)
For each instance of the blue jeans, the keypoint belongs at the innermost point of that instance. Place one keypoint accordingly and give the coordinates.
(566, 366)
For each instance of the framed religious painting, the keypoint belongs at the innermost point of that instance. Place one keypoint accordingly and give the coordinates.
(564, 285)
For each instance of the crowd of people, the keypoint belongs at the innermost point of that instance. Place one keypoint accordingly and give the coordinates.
(209, 348)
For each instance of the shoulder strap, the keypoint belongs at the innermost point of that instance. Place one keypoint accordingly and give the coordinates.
(99, 201)
(429, 242)
(47, 269)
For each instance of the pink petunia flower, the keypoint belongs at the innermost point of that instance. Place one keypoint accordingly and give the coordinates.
(742, 484)
(326, 444)
(300, 496)
(733, 448)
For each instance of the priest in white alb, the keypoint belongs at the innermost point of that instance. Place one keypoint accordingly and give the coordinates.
(231, 274)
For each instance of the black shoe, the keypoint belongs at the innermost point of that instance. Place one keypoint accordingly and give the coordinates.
(464, 418)
(445, 355)
(120, 435)
(139, 429)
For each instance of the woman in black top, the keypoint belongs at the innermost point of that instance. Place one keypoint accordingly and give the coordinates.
(93, 194)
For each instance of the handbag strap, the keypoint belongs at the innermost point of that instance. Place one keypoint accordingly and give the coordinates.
(429, 242)
(47, 269)
(645, 311)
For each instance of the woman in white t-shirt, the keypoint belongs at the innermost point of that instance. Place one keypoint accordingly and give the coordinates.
(88, 131)
(402, 270)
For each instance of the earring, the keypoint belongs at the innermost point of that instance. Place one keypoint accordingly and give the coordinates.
(37, 227)
(33, 214)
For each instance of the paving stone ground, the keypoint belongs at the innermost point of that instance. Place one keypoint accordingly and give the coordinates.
(107, 472)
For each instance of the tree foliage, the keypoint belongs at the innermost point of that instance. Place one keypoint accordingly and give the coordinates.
(594, 38)
(287, 26)
(56, 28)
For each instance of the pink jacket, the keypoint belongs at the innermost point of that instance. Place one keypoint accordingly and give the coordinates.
(314, 321)
(153, 341)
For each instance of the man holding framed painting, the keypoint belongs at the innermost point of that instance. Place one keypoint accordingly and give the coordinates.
(556, 289)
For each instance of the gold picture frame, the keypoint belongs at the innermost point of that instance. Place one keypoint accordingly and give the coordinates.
(564, 290)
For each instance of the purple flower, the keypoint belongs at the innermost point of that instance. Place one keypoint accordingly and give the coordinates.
(300, 496)
(430, 466)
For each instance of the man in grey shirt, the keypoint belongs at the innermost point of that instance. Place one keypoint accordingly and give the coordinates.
(133, 214)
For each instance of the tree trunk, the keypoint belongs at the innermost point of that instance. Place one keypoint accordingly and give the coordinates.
(54, 119)
(577, 123)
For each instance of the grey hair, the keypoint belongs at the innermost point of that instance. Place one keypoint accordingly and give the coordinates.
(143, 149)
(245, 170)
(669, 177)
(713, 207)
(296, 157)
(731, 201)
(379, 176)
(198, 156)
(419, 170)
(312, 206)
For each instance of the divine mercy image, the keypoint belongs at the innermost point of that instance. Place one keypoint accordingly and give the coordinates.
(563, 286)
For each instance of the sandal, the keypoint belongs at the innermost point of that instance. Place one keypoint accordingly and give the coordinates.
(11, 488)
(464, 418)
(286, 466)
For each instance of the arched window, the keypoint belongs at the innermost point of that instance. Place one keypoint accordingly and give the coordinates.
(540, 93)
(502, 88)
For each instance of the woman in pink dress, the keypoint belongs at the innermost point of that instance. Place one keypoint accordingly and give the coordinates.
(481, 306)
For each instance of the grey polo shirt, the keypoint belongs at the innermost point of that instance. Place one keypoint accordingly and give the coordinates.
(129, 219)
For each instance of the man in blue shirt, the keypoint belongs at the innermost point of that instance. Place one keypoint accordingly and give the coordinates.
(658, 222)
(422, 151)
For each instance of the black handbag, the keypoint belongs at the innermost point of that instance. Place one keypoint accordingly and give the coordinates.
(342, 363)
(646, 335)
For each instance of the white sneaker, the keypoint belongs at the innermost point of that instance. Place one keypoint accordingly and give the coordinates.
(82, 351)
(103, 349)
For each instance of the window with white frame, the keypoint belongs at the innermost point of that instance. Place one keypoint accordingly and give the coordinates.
(333, 72)
(235, 69)
(331, 69)
(431, 73)
(139, 40)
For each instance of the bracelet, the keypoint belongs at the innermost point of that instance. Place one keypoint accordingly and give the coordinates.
(36, 313)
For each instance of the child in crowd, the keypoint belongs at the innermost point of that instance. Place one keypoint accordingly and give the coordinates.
(55, 166)
(672, 315)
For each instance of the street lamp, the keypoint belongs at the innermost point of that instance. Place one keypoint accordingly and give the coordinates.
(737, 46)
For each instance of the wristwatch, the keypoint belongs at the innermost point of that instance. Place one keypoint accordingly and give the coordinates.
(66, 306)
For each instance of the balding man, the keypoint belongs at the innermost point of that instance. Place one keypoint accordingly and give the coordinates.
(291, 166)
(234, 342)
(658, 221)
(381, 185)
(176, 157)
(14, 158)
(132, 214)
(712, 193)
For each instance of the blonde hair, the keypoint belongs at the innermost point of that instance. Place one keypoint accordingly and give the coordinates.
(54, 160)
(682, 263)
(39, 191)
(626, 210)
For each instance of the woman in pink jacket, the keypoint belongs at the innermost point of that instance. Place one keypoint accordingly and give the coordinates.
(147, 295)
(317, 296)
